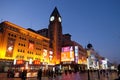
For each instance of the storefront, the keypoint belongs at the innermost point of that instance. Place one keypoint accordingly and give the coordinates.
(70, 59)
(5, 65)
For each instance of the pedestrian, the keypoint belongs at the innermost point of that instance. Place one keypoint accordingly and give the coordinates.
(118, 73)
(20, 74)
(39, 74)
(8, 73)
(49, 73)
(12, 73)
(119, 70)
(24, 75)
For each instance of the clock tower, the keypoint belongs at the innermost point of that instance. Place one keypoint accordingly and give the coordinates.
(55, 34)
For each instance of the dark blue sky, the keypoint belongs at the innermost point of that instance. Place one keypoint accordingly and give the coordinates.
(94, 21)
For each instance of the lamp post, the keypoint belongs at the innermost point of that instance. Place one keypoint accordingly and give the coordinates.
(98, 70)
(88, 67)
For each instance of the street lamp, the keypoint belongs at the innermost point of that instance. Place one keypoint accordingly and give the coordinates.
(88, 67)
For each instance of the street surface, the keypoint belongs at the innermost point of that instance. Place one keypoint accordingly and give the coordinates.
(71, 76)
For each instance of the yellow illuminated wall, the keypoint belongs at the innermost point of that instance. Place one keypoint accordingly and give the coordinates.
(0, 44)
(19, 43)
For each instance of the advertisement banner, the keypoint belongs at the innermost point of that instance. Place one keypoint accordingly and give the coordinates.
(10, 47)
(67, 56)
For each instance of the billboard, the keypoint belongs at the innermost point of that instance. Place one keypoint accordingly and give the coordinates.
(31, 45)
(19, 62)
(76, 54)
(10, 47)
(36, 62)
(67, 54)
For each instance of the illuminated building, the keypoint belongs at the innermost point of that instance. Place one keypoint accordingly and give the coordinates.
(93, 57)
(17, 43)
(78, 54)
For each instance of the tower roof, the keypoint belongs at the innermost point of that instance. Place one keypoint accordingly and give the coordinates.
(55, 12)
(89, 46)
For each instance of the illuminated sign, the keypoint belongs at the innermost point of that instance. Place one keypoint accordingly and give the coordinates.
(44, 52)
(50, 55)
(76, 54)
(65, 49)
(31, 46)
(76, 50)
(30, 61)
(10, 47)
(20, 62)
(14, 62)
(36, 62)
(67, 54)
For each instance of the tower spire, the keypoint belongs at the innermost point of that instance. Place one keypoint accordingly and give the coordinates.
(55, 13)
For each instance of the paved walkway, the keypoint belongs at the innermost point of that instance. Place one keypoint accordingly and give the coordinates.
(43, 78)
(82, 76)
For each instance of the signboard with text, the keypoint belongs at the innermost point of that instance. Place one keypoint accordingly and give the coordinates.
(67, 54)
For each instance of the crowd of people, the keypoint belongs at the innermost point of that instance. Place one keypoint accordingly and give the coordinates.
(10, 73)
(22, 74)
(66, 75)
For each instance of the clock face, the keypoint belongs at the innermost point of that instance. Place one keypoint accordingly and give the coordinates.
(59, 19)
(52, 18)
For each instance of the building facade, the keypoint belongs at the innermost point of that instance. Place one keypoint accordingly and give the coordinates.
(17, 43)
(73, 55)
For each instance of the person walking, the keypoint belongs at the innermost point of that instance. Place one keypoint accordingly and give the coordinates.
(118, 73)
(119, 70)
(8, 73)
(24, 75)
(39, 74)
